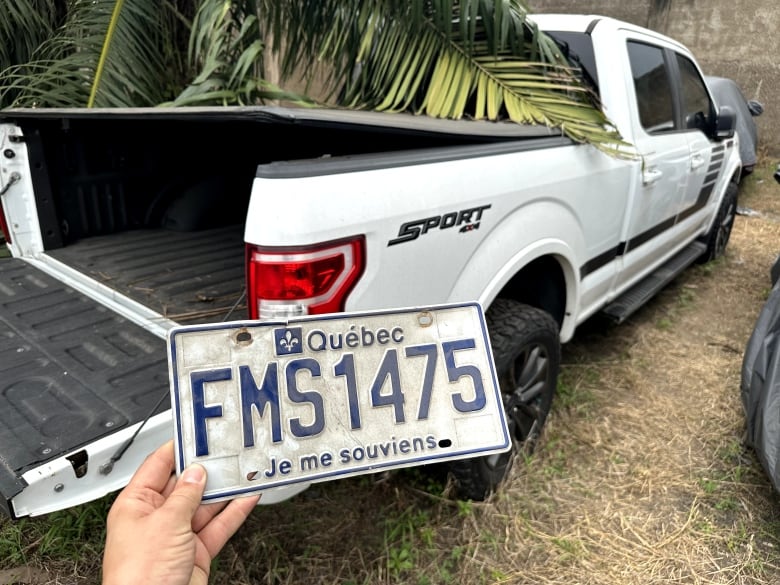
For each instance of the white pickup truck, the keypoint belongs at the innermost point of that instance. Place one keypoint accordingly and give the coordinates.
(124, 223)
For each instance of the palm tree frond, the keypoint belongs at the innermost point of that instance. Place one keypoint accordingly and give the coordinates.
(226, 51)
(106, 53)
(480, 59)
(24, 25)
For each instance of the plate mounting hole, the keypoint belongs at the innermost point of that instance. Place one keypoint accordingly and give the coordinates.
(425, 319)
(244, 337)
(444, 443)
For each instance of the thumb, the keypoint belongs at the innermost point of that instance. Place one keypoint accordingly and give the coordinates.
(187, 495)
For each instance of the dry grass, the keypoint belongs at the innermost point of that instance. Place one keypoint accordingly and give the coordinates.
(641, 477)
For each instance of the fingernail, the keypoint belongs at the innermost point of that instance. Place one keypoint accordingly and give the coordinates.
(194, 474)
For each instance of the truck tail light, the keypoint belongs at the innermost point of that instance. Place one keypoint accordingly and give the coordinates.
(4, 224)
(284, 282)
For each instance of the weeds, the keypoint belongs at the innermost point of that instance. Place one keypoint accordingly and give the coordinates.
(70, 535)
(574, 389)
(686, 297)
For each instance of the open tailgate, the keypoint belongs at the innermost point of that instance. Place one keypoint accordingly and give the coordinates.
(71, 372)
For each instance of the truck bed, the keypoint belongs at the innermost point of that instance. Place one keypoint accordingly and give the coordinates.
(188, 277)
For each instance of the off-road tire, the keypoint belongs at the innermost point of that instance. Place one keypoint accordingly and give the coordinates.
(718, 236)
(527, 354)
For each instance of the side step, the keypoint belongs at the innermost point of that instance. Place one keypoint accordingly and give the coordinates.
(621, 308)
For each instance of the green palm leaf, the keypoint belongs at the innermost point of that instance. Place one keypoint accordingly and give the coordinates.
(25, 24)
(226, 55)
(106, 53)
(479, 59)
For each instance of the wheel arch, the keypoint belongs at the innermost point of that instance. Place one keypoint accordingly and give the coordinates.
(533, 255)
(543, 277)
(540, 283)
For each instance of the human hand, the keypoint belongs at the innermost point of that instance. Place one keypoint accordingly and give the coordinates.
(159, 532)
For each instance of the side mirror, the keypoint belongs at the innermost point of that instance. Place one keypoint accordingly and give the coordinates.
(755, 108)
(725, 123)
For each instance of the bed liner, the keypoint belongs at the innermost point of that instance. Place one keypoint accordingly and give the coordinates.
(71, 371)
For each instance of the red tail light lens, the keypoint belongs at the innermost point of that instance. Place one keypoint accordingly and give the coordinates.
(4, 224)
(312, 280)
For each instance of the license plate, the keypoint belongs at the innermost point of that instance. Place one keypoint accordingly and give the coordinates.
(269, 404)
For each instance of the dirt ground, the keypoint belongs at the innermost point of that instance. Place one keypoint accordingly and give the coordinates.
(642, 476)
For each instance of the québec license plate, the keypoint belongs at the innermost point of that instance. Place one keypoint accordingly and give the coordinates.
(268, 404)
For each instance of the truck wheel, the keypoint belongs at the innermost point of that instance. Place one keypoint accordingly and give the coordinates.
(526, 351)
(718, 236)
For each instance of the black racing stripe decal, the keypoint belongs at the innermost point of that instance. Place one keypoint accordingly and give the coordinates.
(648, 235)
(602, 260)
(624, 247)
(704, 196)
(712, 175)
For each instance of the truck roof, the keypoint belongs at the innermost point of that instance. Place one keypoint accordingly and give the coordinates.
(587, 23)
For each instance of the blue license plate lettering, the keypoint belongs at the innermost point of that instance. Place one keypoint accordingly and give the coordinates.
(201, 411)
(430, 352)
(394, 396)
(254, 399)
(310, 397)
(455, 373)
(345, 368)
(266, 404)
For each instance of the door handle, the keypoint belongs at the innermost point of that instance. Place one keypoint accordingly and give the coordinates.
(696, 161)
(650, 176)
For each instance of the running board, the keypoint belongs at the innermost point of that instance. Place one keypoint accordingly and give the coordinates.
(621, 308)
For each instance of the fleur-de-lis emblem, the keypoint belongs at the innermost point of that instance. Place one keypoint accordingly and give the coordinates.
(288, 342)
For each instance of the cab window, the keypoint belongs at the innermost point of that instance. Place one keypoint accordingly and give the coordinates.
(653, 87)
(698, 111)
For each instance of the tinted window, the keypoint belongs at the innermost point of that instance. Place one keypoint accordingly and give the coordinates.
(653, 90)
(577, 48)
(697, 108)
